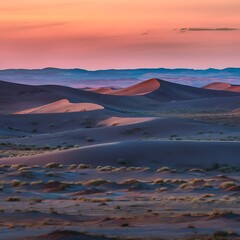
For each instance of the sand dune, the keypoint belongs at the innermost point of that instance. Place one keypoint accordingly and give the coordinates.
(142, 88)
(177, 92)
(112, 129)
(234, 88)
(217, 86)
(146, 95)
(62, 106)
(223, 86)
(143, 153)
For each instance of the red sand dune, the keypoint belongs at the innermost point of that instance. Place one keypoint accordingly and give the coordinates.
(159, 90)
(142, 88)
(222, 86)
(62, 106)
(146, 95)
(234, 89)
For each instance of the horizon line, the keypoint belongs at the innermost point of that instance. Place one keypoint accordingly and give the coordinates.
(120, 69)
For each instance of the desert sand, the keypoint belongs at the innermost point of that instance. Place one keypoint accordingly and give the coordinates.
(156, 160)
(62, 106)
(223, 86)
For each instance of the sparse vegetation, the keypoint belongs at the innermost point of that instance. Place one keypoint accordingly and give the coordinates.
(164, 170)
(52, 165)
(226, 185)
(97, 182)
(15, 183)
(122, 161)
(12, 199)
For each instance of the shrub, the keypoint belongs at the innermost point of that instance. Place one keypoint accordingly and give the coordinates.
(83, 166)
(225, 169)
(52, 165)
(158, 181)
(72, 166)
(122, 161)
(130, 181)
(105, 169)
(163, 170)
(15, 183)
(36, 182)
(89, 139)
(220, 234)
(63, 186)
(226, 185)
(96, 182)
(51, 174)
(17, 166)
(13, 199)
(191, 226)
(24, 169)
(183, 186)
(196, 170)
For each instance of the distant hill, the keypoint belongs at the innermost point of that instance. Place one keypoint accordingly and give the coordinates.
(119, 78)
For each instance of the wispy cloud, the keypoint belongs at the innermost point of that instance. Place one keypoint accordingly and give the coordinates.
(200, 29)
(145, 33)
(23, 26)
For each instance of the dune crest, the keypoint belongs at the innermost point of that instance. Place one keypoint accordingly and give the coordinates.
(142, 88)
(62, 106)
(222, 86)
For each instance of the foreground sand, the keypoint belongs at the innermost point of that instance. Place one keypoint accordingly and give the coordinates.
(153, 161)
(136, 202)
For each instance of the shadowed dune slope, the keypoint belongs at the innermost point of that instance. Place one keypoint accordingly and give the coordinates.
(102, 131)
(103, 90)
(143, 153)
(165, 91)
(223, 86)
(176, 92)
(66, 235)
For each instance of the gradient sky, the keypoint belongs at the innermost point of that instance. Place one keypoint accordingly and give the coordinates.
(101, 34)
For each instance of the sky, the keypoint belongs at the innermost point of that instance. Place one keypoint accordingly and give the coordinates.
(105, 34)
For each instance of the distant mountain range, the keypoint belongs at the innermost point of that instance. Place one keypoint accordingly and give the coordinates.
(119, 78)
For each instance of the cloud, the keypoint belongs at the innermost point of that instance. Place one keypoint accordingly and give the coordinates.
(183, 30)
(23, 27)
(145, 33)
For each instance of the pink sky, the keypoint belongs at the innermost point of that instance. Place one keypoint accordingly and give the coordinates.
(100, 34)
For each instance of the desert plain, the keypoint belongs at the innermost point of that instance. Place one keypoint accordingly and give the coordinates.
(155, 161)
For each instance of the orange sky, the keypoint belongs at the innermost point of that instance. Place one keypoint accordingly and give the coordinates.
(100, 34)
